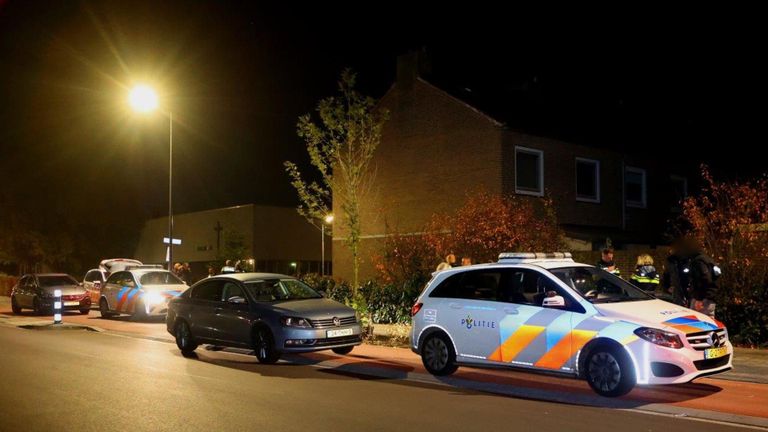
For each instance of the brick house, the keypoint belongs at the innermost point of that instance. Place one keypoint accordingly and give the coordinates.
(437, 147)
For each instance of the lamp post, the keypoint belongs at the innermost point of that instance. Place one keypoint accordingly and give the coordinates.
(143, 99)
(327, 220)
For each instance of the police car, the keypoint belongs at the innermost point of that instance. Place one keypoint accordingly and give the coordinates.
(546, 312)
(141, 291)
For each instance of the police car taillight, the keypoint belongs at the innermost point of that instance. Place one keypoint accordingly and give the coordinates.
(416, 308)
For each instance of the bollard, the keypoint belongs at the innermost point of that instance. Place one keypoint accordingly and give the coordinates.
(57, 307)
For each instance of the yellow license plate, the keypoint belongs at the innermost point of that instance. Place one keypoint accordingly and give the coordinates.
(715, 352)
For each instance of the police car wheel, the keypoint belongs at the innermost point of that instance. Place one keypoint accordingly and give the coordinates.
(438, 356)
(184, 339)
(15, 308)
(140, 311)
(609, 372)
(264, 346)
(343, 350)
(104, 309)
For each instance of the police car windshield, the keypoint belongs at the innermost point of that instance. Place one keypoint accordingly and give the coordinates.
(160, 278)
(281, 289)
(599, 286)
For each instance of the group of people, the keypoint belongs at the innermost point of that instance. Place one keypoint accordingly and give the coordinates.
(183, 272)
(450, 262)
(689, 278)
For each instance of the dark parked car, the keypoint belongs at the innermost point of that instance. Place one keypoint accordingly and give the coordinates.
(35, 291)
(270, 313)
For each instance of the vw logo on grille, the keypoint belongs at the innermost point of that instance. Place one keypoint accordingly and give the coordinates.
(336, 321)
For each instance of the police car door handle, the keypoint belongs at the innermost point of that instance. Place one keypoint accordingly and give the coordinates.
(454, 305)
(511, 311)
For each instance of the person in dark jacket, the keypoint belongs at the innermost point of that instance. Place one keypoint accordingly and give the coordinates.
(645, 275)
(676, 280)
(703, 274)
(606, 261)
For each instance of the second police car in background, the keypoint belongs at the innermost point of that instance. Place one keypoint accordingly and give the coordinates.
(140, 291)
(545, 312)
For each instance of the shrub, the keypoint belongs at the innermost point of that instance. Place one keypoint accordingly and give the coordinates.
(730, 221)
(488, 224)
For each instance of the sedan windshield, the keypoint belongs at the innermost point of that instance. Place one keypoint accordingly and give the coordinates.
(49, 281)
(599, 286)
(160, 278)
(281, 289)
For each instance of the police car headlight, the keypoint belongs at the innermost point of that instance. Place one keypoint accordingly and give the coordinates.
(659, 337)
(295, 322)
(153, 298)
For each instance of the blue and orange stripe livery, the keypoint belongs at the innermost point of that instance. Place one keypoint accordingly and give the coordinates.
(691, 324)
(549, 339)
(126, 298)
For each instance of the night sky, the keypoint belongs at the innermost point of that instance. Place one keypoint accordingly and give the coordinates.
(681, 84)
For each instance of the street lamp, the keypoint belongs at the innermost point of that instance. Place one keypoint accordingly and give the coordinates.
(327, 220)
(143, 99)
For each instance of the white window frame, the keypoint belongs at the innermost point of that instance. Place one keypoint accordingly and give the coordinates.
(637, 204)
(540, 154)
(596, 163)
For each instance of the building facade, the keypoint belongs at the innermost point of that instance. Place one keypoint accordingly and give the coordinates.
(436, 148)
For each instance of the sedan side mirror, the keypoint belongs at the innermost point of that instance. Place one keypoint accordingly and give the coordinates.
(237, 300)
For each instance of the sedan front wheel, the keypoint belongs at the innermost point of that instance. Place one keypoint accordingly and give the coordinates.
(264, 346)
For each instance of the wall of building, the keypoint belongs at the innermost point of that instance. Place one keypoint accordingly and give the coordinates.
(433, 149)
(274, 236)
(197, 232)
(560, 179)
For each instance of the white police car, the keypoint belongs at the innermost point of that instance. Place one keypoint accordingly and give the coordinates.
(546, 312)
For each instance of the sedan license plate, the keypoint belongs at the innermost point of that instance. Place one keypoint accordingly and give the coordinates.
(339, 333)
(715, 352)
(72, 303)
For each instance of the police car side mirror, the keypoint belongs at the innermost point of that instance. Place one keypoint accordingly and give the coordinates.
(552, 300)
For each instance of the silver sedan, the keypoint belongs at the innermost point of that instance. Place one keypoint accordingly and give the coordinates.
(270, 313)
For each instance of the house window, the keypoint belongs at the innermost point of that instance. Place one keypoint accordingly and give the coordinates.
(529, 171)
(635, 187)
(679, 192)
(587, 180)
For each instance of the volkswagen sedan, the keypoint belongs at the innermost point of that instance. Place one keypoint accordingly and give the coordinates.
(269, 313)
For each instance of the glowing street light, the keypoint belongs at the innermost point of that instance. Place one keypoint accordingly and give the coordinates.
(142, 98)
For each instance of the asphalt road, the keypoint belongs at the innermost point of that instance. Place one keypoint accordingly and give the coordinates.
(60, 380)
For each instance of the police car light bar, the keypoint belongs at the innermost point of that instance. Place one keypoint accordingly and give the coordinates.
(518, 256)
